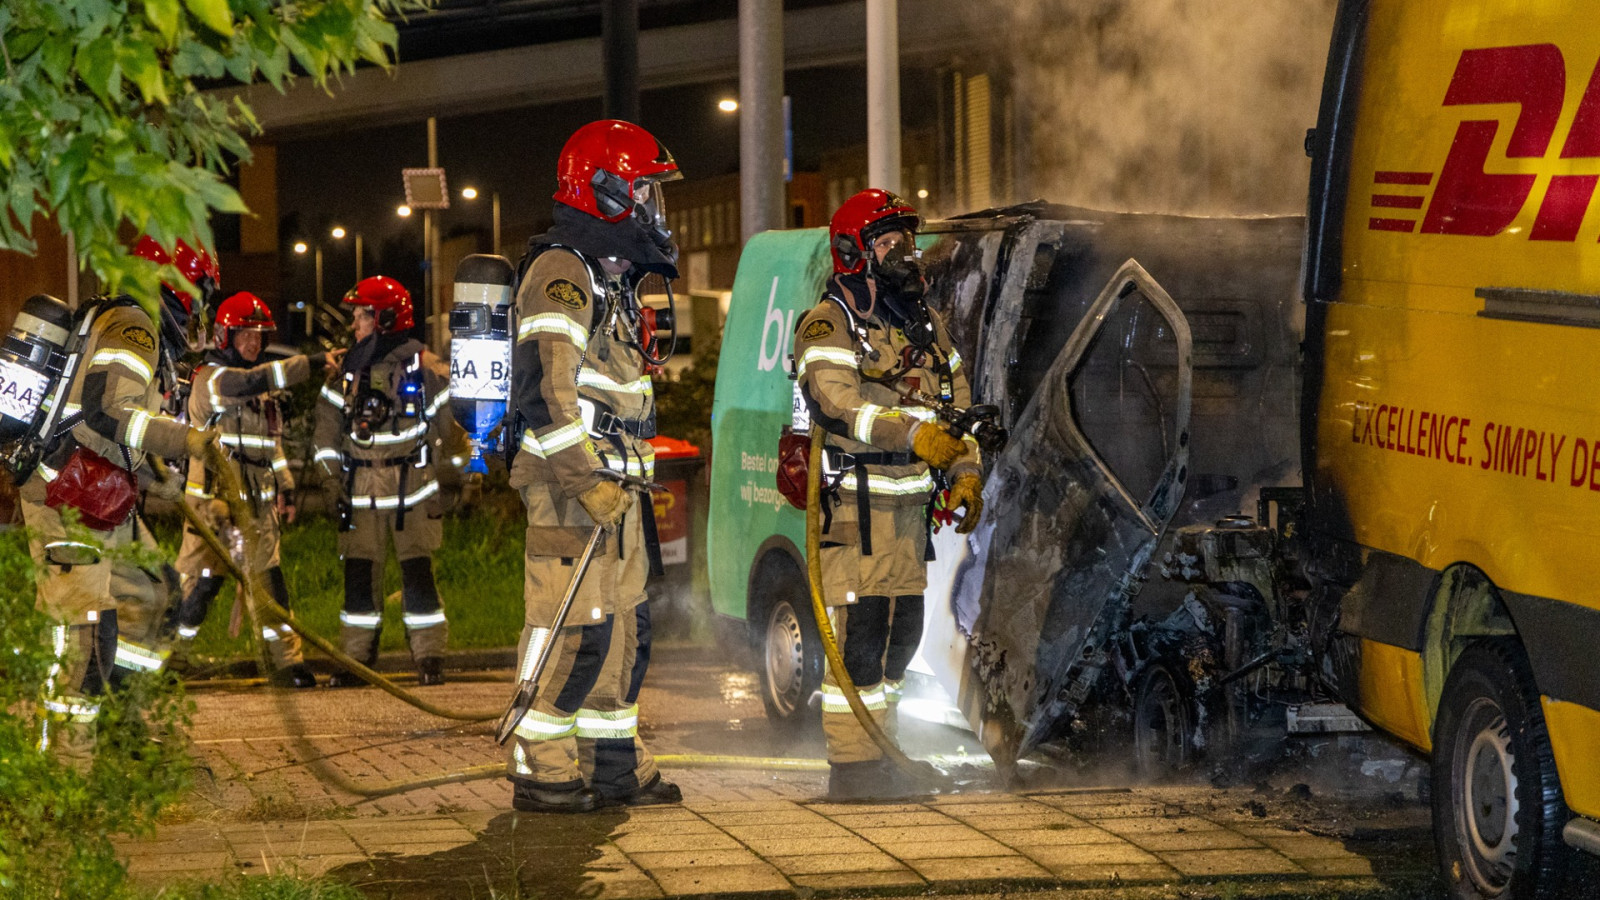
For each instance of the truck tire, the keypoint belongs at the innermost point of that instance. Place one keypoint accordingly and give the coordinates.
(1163, 722)
(790, 651)
(1498, 809)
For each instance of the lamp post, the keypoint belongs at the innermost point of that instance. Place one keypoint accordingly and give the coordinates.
(300, 248)
(471, 193)
(338, 233)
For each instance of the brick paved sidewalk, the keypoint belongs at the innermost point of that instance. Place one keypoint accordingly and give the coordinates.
(789, 848)
(267, 800)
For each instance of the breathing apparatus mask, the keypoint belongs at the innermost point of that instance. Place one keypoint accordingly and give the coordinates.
(614, 196)
(902, 287)
(369, 412)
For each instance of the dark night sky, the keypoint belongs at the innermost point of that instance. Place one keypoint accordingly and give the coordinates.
(353, 179)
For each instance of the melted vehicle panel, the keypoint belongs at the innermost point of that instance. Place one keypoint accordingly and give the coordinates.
(1054, 575)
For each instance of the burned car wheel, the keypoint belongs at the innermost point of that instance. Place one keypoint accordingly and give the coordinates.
(791, 660)
(1163, 721)
(1498, 809)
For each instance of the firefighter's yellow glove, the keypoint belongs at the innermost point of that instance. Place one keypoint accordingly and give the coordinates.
(967, 492)
(935, 446)
(199, 442)
(606, 503)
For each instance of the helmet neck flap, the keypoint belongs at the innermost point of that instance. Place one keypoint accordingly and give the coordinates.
(598, 238)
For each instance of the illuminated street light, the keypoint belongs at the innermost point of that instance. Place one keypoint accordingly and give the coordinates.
(471, 193)
(339, 233)
(300, 247)
(402, 211)
(728, 105)
(922, 194)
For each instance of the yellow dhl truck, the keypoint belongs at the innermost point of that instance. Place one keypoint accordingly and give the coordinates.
(1439, 559)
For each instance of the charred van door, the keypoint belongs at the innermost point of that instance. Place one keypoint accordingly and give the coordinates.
(1095, 468)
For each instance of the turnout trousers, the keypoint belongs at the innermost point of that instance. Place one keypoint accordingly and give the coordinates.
(108, 611)
(876, 608)
(365, 548)
(203, 576)
(583, 728)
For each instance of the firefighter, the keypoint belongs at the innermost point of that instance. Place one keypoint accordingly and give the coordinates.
(583, 403)
(230, 391)
(391, 455)
(860, 352)
(107, 602)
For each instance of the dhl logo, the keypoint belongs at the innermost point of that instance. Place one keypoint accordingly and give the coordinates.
(1468, 200)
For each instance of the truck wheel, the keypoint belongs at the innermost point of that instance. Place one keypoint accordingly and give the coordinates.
(1498, 810)
(791, 655)
(1163, 721)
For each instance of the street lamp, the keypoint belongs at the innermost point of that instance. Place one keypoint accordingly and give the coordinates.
(471, 193)
(728, 105)
(338, 233)
(300, 247)
(402, 210)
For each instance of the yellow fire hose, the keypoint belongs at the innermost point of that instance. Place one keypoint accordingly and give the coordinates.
(819, 608)
(261, 608)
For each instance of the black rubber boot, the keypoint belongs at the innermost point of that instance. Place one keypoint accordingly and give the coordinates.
(921, 778)
(657, 792)
(529, 797)
(298, 675)
(857, 781)
(430, 670)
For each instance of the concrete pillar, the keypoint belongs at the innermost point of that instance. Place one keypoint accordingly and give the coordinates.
(619, 47)
(883, 95)
(762, 198)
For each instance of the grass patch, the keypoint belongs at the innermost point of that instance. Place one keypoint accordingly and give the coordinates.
(478, 570)
(270, 887)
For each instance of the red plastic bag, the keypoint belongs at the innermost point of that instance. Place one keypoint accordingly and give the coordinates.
(794, 459)
(102, 492)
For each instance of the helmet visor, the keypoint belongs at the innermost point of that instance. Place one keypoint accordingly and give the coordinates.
(649, 206)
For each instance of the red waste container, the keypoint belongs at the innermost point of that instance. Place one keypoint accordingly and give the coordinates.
(677, 465)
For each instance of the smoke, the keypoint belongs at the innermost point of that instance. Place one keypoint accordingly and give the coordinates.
(1175, 106)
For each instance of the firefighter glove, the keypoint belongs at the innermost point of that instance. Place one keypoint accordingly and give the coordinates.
(205, 445)
(606, 503)
(200, 441)
(935, 445)
(167, 486)
(967, 492)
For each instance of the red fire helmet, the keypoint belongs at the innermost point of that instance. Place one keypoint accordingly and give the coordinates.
(861, 220)
(609, 170)
(390, 302)
(242, 310)
(201, 270)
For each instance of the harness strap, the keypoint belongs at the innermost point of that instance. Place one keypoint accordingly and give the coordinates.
(652, 538)
(400, 505)
(864, 509)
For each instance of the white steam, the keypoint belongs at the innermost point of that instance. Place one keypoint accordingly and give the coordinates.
(1176, 106)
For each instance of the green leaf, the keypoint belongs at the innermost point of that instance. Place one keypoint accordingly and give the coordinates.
(97, 66)
(141, 66)
(164, 15)
(214, 13)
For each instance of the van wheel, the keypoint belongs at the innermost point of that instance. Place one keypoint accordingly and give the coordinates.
(1163, 720)
(791, 657)
(1498, 810)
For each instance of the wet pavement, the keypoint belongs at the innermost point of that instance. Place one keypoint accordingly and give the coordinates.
(284, 783)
